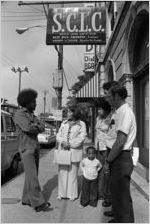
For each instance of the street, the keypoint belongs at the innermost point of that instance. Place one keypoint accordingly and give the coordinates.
(64, 211)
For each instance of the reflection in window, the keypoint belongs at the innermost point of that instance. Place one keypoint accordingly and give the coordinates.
(10, 126)
(2, 125)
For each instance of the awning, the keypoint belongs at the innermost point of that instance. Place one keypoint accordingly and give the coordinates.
(90, 89)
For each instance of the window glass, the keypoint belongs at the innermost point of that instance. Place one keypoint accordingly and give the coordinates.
(2, 125)
(10, 126)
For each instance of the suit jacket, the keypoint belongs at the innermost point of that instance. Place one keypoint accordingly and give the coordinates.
(28, 127)
(75, 135)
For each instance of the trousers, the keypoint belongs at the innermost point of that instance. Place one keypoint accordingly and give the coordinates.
(68, 181)
(103, 179)
(31, 191)
(89, 194)
(120, 176)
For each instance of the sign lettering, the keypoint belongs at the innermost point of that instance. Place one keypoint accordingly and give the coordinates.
(76, 26)
(89, 59)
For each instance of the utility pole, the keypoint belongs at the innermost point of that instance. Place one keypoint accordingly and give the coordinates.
(44, 98)
(60, 69)
(20, 73)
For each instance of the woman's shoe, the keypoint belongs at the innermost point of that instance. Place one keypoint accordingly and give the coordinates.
(112, 221)
(43, 207)
(106, 203)
(81, 206)
(73, 199)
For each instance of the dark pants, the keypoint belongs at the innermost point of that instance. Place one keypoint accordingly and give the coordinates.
(120, 176)
(89, 193)
(103, 179)
(31, 192)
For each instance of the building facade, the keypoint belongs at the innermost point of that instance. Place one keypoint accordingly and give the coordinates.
(125, 58)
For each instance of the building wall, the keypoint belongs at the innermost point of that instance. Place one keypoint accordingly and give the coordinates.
(120, 57)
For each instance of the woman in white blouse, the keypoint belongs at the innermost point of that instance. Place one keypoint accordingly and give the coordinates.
(72, 134)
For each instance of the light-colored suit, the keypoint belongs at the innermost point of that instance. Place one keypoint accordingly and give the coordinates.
(67, 175)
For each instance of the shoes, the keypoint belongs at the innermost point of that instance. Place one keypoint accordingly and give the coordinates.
(59, 198)
(73, 199)
(81, 206)
(106, 203)
(109, 213)
(43, 207)
(112, 221)
(26, 204)
(101, 198)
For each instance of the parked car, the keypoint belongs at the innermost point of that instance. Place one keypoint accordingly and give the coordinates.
(47, 137)
(10, 155)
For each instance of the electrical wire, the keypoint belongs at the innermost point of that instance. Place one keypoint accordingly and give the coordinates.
(22, 20)
(66, 80)
(81, 59)
(71, 66)
(5, 16)
(14, 12)
(7, 60)
(35, 8)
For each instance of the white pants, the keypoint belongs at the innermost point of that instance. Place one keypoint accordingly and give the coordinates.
(68, 181)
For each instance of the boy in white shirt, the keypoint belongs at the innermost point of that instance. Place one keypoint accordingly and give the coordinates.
(90, 167)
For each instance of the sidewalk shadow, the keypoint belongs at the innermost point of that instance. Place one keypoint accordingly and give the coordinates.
(49, 186)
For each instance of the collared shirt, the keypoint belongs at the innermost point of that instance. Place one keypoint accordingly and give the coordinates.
(126, 123)
(90, 168)
(28, 127)
(111, 134)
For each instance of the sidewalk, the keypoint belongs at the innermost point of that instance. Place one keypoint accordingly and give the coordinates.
(137, 180)
(140, 182)
(64, 211)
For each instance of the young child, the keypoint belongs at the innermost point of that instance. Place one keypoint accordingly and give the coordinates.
(90, 167)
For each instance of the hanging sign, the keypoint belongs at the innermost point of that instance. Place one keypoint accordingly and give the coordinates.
(89, 58)
(76, 26)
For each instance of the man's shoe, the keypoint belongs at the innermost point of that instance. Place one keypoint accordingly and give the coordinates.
(26, 204)
(106, 203)
(43, 207)
(109, 213)
(112, 221)
(100, 198)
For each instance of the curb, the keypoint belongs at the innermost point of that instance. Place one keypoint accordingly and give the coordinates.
(141, 184)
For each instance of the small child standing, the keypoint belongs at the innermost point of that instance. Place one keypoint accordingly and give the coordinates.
(90, 167)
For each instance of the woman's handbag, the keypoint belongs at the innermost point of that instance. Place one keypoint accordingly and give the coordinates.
(62, 157)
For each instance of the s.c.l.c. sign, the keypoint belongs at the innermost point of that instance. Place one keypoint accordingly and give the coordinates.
(76, 26)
